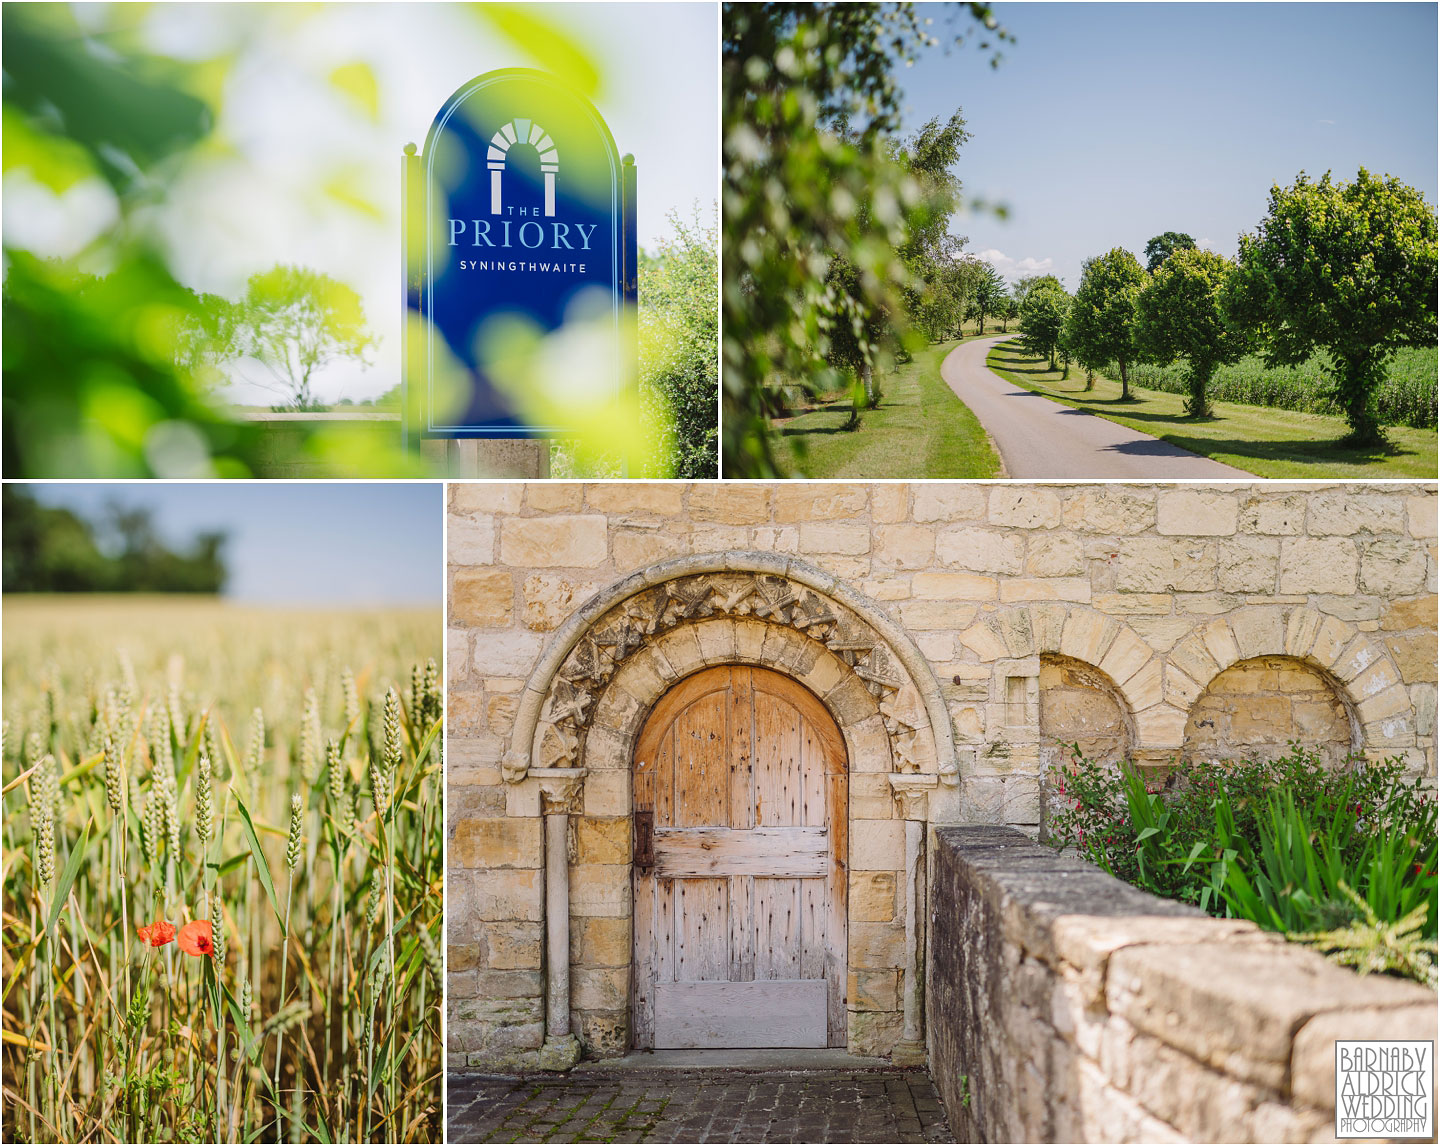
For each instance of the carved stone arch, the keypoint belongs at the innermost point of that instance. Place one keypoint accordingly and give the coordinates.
(873, 659)
(1101, 640)
(1356, 664)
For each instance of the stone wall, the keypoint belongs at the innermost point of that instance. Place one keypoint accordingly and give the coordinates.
(927, 617)
(1066, 1006)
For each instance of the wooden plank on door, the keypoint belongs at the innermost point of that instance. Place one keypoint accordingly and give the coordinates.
(741, 753)
(642, 978)
(742, 928)
(778, 1013)
(778, 783)
(689, 852)
(702, 780)
(837, 960)
(777, 928)
(702, 930)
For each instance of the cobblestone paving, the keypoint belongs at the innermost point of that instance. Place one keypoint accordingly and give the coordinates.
(698, 1106)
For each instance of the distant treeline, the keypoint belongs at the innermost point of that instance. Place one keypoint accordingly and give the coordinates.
(48, 549)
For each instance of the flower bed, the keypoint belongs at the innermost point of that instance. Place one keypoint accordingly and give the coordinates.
(1344, 861)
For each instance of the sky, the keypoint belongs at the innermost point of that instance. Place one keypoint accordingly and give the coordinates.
(323, 544)
(1107, 124)
(285, 132)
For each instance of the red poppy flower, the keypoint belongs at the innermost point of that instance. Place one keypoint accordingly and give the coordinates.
(195, 938)
(156, 934)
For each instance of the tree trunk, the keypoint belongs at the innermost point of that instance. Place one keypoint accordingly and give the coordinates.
(1197, 404)
(1360, 377)
(1124, 381)
(1089, 378)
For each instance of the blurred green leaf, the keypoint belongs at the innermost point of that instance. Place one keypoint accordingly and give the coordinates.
(543, 39)
(356, 82)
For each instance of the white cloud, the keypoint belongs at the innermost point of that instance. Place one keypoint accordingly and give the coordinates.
(1205, 244)
(1013, 269)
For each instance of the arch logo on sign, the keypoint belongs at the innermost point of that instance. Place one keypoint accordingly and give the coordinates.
(520, 225)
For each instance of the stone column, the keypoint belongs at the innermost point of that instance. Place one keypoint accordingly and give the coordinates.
(561, 790)
(912, 798)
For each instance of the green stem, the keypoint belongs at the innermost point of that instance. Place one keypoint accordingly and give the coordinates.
(280, 1035)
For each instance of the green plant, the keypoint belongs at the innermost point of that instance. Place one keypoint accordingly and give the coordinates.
(1372, 945)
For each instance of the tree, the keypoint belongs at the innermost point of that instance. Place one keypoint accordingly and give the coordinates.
(989, 294)
(1027, 283)
(1101, 324)
(1161, 247)
(1009, 312)
(1181, 315)
(1350, 267)
(679, 344)
(1042, 318)
(295, 321)
(808, 103)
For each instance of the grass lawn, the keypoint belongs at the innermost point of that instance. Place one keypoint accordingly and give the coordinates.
(1264, 441)
(920, 430)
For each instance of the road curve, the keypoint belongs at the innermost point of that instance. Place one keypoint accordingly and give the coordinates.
(1039, 438)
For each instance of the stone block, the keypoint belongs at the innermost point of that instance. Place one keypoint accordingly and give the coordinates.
(479, 497)
(873, 1032)
(470, 540)
(1196, 513)
(1420, 515)
(1312, 1068)
(872, 896)
(948, 501)
(876, 945)
(980, 549)
(499, 894)
(512, 946)
(481, 597)
(1221, 644)
(1160, 727)
(1343, 513)
(1258, 632)
(932, 615)
(1055, 555)
(607, 794)
(1392, 567)
(600, 889)
(603, 941)
(873, 991)
(557, 541)
(1035, 507)
(1110, 509)
(640, 548)
(1233, 1006)
(489, 844)
(1318, 565)
(647, 497)
(1391, 702)
(602, 841)
(984, 641)
(730, 503)
(1157, 565)
(599, 988)
(1087, 636)
(905, 546)
(1415, 656)
(805, 501)
(877, 844)
(834, 537)
(889, 502)
(1416, 613)
(1125, 657)
(503, 652)
(1014, 589)
(953, 587)
(554, 496)
(1248, 564)
(1282, 516)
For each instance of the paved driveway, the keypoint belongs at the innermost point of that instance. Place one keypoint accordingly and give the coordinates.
(712, 1105)
(1039, 438)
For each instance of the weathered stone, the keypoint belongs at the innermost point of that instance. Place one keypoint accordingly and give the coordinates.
(554, 496)
(1312, 1069)
(1045, 589)
(603, 941)
(503, 652)
(1055, 555)
(953, 587)
(984, 550)
(831, 537)
(876, 845)
(1344, 513)
(1272, 515)
(1415, 656)
(1025, 508)
(1196, 513)
(921, 615)
(872, 895)
(489, 844)
(657, 497)
(480, 597)
(512, 946)
(470, 540)
(873, 991)
(948, 501)
(602, 841)
(1110, 509)
(1420, 515)
(1419, 612)
(479, 497)
(905, 546)
(639, 548)
(1318, 565)
(1154, 565)
(1248, 564)
(889, 502)
(559, 541)
(796, 501)
(730, 503)
(1392, 567)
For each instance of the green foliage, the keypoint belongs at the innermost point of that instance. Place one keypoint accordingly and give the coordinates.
(1350, 267)
(1181, 314)
(679, 342)
(1276, 842)
(295, 321)
(1161, 247)
(52, 550)
(1405, 397)
(809, 104)
(1373, 945)
(1101, 323)
(1042, 319)
(991, 297)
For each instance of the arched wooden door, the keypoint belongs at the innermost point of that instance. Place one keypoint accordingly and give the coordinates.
(740, 853)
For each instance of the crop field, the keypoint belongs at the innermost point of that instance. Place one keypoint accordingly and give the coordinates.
(1407, 397)
(223, 830)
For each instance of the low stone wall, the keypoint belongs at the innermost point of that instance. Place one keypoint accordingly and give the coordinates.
(1065, 1005)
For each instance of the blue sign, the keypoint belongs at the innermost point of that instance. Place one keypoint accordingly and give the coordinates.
(520, 215)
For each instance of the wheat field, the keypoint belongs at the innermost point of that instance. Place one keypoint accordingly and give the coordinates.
(223, 830)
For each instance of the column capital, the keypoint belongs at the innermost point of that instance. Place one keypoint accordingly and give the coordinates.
(561, 789)
(912, 793)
